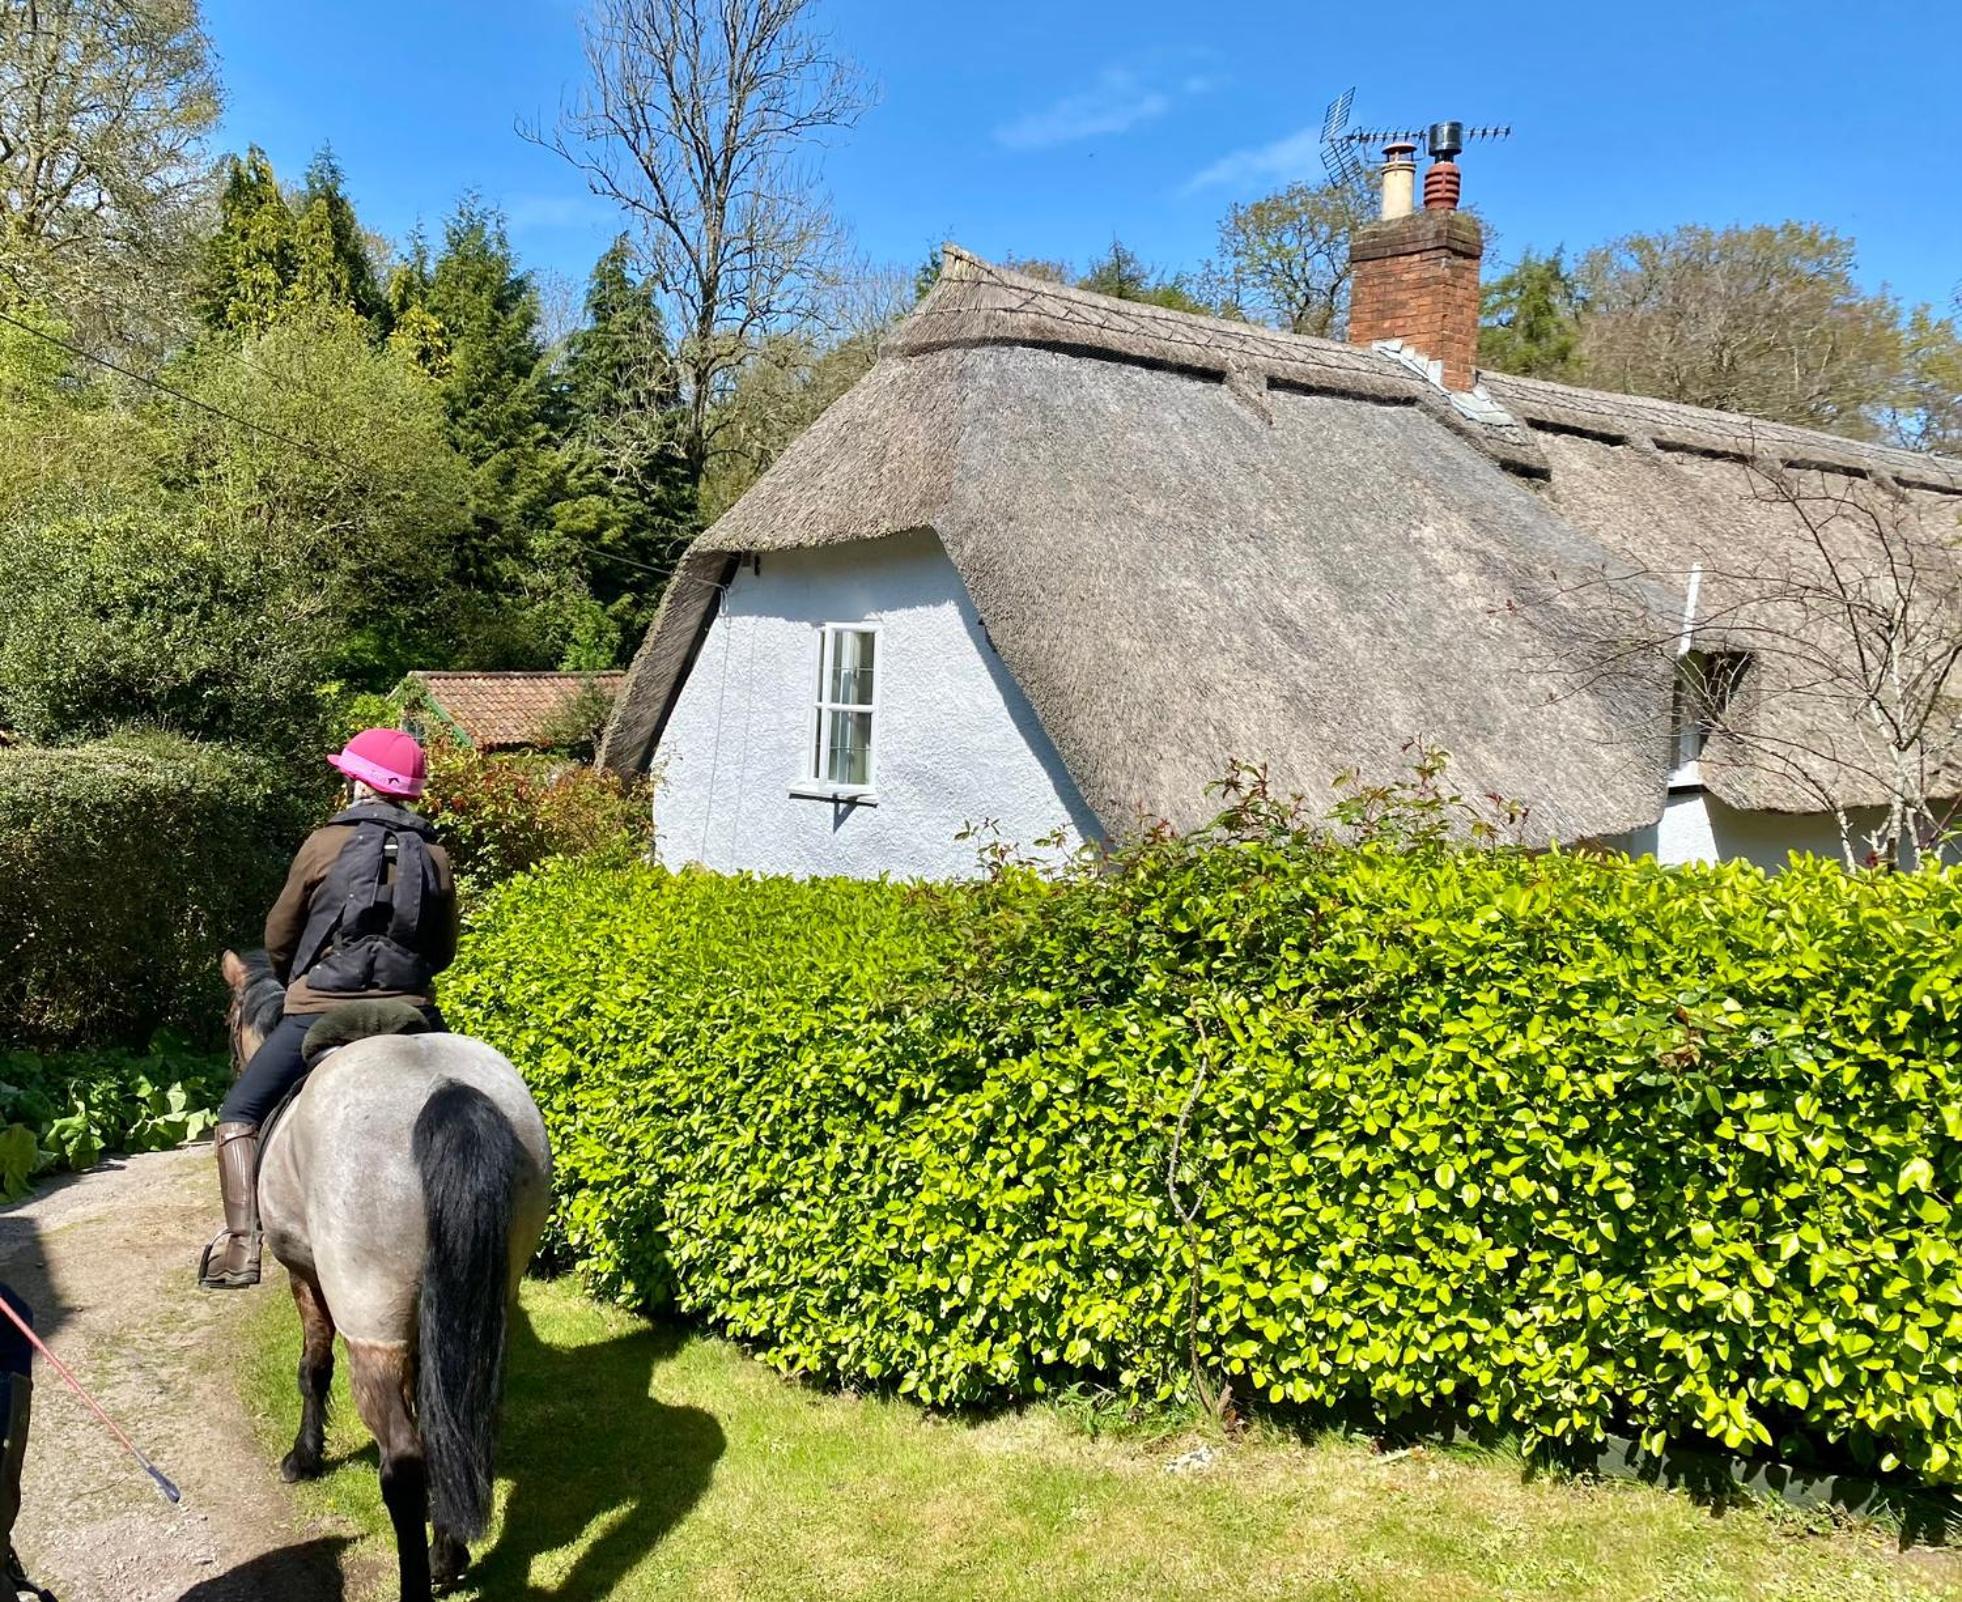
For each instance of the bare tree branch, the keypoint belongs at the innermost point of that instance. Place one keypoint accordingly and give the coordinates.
(1853, 636)
(699, 119)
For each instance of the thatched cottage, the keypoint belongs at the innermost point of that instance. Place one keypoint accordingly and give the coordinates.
(1057, 560)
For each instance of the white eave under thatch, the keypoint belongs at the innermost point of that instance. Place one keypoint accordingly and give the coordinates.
(1195, 541)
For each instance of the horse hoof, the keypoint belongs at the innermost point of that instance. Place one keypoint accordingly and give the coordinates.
(294, 1468)
(448, 1558)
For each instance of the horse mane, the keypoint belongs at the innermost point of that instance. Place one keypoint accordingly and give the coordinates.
(264, 997)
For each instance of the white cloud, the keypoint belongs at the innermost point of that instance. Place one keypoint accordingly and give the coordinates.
(1299, 155)
(1119, 100)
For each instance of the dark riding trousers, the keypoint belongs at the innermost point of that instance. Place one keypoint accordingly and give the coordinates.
(277, 1066)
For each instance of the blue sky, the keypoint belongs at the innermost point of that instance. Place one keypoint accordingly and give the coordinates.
(1045, 129)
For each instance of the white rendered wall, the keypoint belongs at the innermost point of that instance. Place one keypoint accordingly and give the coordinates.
(1697, 827)
(954, 739)
(1685, 833)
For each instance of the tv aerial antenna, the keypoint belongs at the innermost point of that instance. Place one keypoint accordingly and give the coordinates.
(1343, 146)
(1341, 154)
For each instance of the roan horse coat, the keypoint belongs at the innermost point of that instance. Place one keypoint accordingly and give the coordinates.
(405, 1190)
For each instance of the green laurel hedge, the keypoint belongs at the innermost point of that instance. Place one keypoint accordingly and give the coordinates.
(126, 867)
(1569, 1144)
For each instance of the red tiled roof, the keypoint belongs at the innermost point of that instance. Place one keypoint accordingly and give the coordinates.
(500, 711)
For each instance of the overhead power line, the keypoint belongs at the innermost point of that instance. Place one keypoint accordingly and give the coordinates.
(315, 450)
(159, 385)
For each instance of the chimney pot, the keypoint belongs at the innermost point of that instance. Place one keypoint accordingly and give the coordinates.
(1442, 186)
(1399, 179)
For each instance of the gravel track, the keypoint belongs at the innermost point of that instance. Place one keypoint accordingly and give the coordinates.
(106, 1259)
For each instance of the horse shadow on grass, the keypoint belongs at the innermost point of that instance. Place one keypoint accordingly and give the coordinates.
(586, 1446)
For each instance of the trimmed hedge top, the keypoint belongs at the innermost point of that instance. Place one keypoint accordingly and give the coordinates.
(125, 868)
(1569, 1143)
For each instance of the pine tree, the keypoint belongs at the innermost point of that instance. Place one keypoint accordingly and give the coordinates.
(488, 311)
(413, 331)
(251, 260)
(622, 448)
(273, 255)
(472, 319)
(333, 249)
(1532, 320)
(620, 358)
(1121, 272)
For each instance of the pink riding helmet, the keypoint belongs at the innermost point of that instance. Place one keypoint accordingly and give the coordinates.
(386, 760)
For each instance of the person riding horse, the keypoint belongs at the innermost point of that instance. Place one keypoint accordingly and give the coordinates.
(368, 913)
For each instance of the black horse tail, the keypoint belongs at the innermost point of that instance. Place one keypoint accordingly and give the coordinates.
(469, 1158)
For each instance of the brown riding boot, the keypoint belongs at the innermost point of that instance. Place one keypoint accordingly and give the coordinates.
(231, 1262)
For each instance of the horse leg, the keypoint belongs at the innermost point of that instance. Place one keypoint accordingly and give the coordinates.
(316, 1381)
(382, 1376)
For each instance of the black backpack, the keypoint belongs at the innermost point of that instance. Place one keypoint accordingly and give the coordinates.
(364, 926)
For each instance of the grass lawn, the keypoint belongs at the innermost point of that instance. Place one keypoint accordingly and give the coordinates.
(638, 1463)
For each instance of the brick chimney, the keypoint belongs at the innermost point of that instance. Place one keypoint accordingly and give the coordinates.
(1414, 274)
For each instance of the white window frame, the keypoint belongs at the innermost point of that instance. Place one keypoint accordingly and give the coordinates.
(815, 782)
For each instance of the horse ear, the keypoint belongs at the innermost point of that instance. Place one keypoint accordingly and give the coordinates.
(232, 966)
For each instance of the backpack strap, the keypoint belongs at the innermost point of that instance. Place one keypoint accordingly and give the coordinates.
(412, 874)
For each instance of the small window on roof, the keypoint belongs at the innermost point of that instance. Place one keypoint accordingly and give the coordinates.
(1706, 684)
(846, 704)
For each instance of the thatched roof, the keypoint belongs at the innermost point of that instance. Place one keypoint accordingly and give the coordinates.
(1195, 540)
(1678, 489)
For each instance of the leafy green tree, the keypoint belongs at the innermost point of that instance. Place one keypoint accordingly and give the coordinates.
(783, 389)
(62, 443)
(787, 382)
(1765, 319)
(1046, 268)
(1121, 272)
(1925, 412)
(1283, 260)
(104, 109)
(348, 468)
(1531, 320)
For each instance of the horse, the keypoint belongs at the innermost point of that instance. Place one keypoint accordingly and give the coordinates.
(404, 1189)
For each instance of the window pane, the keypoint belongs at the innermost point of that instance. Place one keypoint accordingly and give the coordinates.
(848, 759)
(851, 667)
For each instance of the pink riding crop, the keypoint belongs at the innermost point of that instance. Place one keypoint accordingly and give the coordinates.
(163, 1483)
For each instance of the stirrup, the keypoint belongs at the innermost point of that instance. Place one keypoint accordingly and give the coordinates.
(234, 1278)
